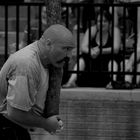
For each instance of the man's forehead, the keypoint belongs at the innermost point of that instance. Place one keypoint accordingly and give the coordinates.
(65, 42)
(68, 47)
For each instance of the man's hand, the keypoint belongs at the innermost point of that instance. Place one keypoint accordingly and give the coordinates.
(60, 126)
(53, 124)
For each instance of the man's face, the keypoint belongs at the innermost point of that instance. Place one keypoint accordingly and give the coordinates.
(60, 54)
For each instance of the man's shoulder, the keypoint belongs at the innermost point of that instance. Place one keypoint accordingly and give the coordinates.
(25, 65)
(25, 56)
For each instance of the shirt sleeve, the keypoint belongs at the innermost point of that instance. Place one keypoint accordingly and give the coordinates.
(21, 93)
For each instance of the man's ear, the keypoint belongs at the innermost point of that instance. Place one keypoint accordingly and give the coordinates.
(48, 43)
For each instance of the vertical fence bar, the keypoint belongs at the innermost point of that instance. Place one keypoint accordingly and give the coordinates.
(28, 22)
(67, 16)
(40, 8)
(100, 34)
(6, 31)
(17, 27)
(124, 38)
(66, 67)
(78, 37)
(135, 45)
(89, 39)
(112, 49)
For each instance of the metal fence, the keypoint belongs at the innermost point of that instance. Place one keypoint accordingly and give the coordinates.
(78, 17)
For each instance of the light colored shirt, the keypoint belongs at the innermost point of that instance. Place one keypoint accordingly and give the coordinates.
(24, 81)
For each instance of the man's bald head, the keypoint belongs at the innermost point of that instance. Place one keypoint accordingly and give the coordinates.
(59, 35)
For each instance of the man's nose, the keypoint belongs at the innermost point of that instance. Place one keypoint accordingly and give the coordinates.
(69, 54)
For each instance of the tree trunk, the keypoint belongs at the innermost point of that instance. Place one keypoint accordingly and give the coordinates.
(53, 12)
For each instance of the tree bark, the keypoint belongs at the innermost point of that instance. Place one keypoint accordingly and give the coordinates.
(53, 11)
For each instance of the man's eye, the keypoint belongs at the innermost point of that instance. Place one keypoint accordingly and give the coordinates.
(69, 49)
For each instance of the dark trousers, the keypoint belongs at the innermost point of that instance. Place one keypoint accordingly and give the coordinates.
(12, 131)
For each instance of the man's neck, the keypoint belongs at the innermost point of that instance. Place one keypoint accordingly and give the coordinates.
(42, 52)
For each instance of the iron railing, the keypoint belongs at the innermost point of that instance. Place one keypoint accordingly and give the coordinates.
(71, 15)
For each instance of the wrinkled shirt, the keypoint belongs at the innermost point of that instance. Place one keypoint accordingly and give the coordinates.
(24, 81)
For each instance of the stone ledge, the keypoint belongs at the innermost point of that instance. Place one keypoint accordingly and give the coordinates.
(100, 93)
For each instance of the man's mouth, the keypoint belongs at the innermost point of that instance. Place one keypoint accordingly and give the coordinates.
(65, 59)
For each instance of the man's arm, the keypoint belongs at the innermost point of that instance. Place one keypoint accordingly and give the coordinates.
(30, 119)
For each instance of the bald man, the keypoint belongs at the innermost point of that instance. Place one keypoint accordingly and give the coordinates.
(24, 81)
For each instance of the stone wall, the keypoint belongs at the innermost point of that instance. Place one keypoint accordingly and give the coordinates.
(97, 114)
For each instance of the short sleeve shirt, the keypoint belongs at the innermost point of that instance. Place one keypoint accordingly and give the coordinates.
(25, 81)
